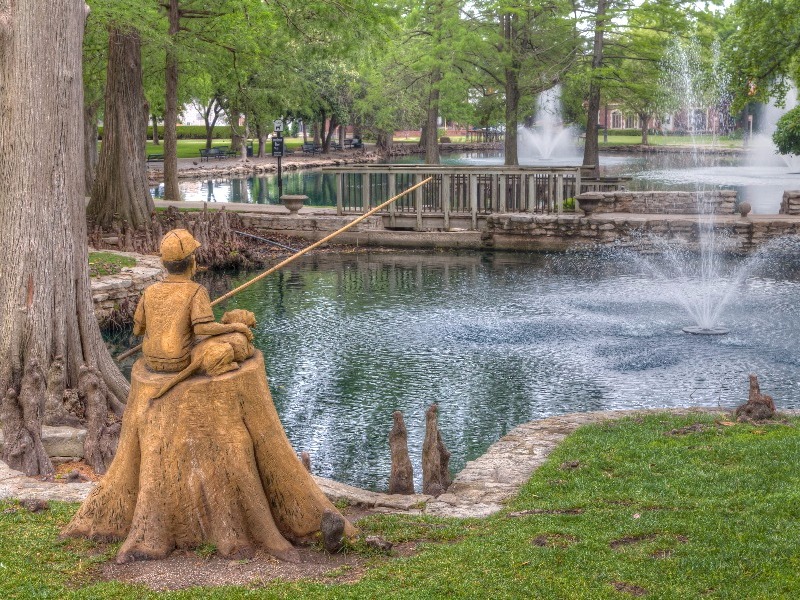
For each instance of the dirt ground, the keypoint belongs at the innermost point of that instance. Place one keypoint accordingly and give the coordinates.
(185, 569)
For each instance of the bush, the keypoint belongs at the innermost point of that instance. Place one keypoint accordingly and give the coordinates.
(787, 132)
(631, 132)
(185, 132)
(444, 140)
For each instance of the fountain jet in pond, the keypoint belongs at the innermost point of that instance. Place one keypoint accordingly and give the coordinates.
(548, 141)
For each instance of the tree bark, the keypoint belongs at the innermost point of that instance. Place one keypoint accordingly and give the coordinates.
(45, 301)
(261, 133)
(154, 119)
(90, 154)
(121, 193)
(436, 477)
(643, 120)
(171, 189)
(512, 92)
(401, 480)
(591, 149)
(432, 121)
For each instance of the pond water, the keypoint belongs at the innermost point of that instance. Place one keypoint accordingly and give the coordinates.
(760, 180)
(496, 340)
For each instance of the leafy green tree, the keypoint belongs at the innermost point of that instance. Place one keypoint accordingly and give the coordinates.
(763, 48)
(787, 132)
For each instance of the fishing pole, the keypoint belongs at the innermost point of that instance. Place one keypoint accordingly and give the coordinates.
(294, 257)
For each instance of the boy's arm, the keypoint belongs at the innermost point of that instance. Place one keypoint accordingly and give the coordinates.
(139, 326)
(214, 328)
(203, 322)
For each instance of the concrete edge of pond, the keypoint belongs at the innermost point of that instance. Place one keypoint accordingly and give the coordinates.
(482, 488)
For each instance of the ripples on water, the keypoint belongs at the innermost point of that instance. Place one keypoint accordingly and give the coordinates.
(496, 340)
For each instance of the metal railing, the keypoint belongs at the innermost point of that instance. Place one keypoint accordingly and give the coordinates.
(463, 193)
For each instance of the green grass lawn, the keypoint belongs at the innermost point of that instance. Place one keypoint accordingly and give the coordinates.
(672, 140)
(191, 148)
(108, 263)
(620, 509)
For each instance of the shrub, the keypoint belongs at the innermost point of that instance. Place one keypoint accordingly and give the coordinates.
(186, 132)
(787, 132)
(444, 140)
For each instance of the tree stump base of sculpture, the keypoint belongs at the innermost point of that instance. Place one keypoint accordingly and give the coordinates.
(207, 463)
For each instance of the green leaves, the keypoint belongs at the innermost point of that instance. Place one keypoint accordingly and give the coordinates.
(787, 132)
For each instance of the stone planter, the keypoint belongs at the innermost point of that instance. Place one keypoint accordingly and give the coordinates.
(293, 202)
(589, 202)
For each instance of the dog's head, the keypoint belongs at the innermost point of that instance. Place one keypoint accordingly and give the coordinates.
(239, 315)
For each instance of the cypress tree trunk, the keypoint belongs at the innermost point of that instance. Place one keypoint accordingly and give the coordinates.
(90, 155)
(431, 123)
(121, 193)
(512, 91)
(643, 119)
(171, 189)
(45, 301)
(591, 150)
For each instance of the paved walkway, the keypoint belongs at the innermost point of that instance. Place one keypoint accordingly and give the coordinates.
(478, 491)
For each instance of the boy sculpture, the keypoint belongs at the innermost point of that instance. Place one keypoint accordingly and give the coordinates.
(212, 465)
(172, 313)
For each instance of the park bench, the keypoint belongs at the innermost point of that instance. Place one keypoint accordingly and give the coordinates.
(336, 146)
(154, 157)
(309, 148)
(226, 151)
(209, 153)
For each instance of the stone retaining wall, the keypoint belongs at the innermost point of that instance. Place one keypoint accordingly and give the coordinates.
(554, 232)
(720, 202)
(790, 205)
(118, 294)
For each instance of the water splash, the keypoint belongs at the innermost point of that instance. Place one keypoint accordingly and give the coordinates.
(548, 140)
(695, 276)
(761, 149)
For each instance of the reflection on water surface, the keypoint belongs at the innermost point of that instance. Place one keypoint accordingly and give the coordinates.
(495, 340)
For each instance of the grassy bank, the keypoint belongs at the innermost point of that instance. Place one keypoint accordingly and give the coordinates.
(661, 507)
(108, 263)
(191, 148)
(672, 140)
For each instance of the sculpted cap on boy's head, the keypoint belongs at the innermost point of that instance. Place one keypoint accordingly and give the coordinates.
(177, 245)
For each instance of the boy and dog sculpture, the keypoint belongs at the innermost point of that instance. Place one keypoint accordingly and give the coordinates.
(202, 457)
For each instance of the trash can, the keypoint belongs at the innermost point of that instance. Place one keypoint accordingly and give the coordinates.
(250, 149)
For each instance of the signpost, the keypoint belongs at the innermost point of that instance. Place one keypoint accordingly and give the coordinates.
(277, 150)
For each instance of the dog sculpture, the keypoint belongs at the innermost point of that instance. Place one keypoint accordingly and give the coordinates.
(217, 354)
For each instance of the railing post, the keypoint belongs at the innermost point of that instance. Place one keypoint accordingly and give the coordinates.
(501, 182)
(578, 190)
(366, 200)
(392, 194)
(418, 201)
(560, 193)
(473, 199)
(445, 199)
(339, 193)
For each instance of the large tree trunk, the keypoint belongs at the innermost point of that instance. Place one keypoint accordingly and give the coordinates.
(121, 193)
(643, 121)
(90, 155)
(156, 140)
(512, 92)
(591, 149)
(261, 133)
(432, 121)
(171, 189)
(45, 301)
